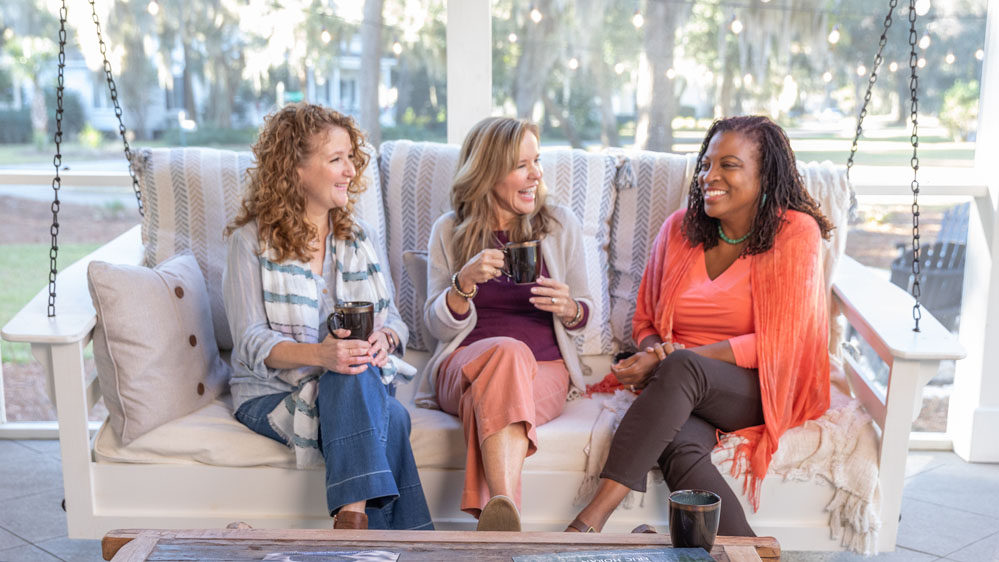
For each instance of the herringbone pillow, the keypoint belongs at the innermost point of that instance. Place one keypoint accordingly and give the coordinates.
(416, 184)
(650, 186)
(191, 194)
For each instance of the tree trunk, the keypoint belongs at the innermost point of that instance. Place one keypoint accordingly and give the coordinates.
(370, 74)
(656, 98)
(39, 115)
(565, 121)
(536, 60)
(608, 121)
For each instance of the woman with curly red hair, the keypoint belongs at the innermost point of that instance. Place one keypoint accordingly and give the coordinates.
(295, 251)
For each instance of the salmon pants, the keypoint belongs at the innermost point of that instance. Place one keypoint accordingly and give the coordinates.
(489, 385)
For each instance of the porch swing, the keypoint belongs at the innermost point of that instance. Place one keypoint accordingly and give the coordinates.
(109, 487)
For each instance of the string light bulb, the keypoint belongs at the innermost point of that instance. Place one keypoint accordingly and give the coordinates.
(922, 7)
(893, 67)
(736, 26)
(924, 42)
(950, 58)
(619, 68)
(638, 20)
(861, 70)
(834, 35)
(573, 63)
(153, 7)
(980, 54)
(747, 79)
(921, 63)
(325, 36)
(396, 47)
(827, 77)
(536, 16)
(512, 37)
(670, 73)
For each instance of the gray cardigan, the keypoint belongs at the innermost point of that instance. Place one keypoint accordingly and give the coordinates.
(559, 249)
(253, 338)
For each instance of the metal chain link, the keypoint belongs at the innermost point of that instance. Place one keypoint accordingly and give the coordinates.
(914, 162)
(878, 59)
(113, 88)
(57, 160)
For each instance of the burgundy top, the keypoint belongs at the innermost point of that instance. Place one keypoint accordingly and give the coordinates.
(503, 309)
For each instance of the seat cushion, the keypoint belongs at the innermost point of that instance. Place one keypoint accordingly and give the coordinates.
(190, 195)
(417, 180)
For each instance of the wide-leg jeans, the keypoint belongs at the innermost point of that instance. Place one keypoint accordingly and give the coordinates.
(364, 438)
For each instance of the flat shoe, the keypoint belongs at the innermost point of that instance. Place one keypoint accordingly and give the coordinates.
(350, 520)
(499, 514)
(578, 525)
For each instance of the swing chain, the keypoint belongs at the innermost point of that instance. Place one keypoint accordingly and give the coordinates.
(878, 59)
(57, 160)
(113, 88)
(914, 162)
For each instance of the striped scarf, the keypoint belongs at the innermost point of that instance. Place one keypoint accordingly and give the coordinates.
(291, 302)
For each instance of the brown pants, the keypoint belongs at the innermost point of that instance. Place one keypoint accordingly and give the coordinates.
(489, 385)
(673, 422)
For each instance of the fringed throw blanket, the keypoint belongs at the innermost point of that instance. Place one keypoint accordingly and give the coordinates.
(840, 447)
(291, 301)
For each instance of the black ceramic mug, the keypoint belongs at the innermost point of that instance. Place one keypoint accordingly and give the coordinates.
(357, 316)
(522, 261)
(693, 518)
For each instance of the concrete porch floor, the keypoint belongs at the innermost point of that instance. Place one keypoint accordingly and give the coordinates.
(950, 511)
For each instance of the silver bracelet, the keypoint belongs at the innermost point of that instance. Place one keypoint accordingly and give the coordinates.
(575, 319)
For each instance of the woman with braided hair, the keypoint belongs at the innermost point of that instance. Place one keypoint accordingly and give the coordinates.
(731, 323)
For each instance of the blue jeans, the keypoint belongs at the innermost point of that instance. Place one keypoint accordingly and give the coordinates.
(364, 438)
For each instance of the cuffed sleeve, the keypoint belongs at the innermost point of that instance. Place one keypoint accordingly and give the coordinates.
(436, 313)
(744, 349)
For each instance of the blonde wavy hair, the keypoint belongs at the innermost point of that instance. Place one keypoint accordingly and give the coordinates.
(490, 151)
(276, 198)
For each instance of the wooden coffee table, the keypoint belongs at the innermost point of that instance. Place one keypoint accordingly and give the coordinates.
(135, 545)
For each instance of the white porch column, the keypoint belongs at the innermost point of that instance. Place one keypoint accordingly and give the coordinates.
(469, 65)
(973, 417)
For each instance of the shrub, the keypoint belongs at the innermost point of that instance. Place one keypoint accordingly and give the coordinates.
(960, 109)
(15, 126)
(73, 117)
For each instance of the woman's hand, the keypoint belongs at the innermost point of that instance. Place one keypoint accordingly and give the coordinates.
(485, 265)
(347, 357)
(553, 296)
(662, 349)
(635, 370)
(380, 348)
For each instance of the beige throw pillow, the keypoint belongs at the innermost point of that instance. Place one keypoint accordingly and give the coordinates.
(155, 349)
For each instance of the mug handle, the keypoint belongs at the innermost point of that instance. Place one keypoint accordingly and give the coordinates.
(506, 263)
(333, 322)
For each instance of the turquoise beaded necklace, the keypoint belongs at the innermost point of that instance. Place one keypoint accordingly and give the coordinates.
(739, 240)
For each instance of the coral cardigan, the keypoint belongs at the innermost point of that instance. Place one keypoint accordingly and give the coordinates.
(790, 321)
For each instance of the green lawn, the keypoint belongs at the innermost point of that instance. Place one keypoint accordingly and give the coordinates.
(24, 270)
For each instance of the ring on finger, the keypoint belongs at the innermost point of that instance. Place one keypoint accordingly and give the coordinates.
(554, 300)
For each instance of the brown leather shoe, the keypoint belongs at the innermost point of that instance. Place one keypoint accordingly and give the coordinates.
(577, 526)
(350, 520)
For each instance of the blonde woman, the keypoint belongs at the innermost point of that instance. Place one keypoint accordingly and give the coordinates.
(295, 250)
(505, 358)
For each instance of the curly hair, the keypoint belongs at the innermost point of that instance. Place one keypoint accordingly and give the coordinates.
(780, 182)
(490, 151)
(276, 197)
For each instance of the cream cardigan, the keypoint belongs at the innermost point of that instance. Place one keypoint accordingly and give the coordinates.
(559, 248)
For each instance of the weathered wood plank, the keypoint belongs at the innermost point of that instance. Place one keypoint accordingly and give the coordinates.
(138, 550)
(252, 544)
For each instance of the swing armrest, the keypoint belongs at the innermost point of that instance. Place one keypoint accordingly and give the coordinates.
(882, 313)
(75, 316)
